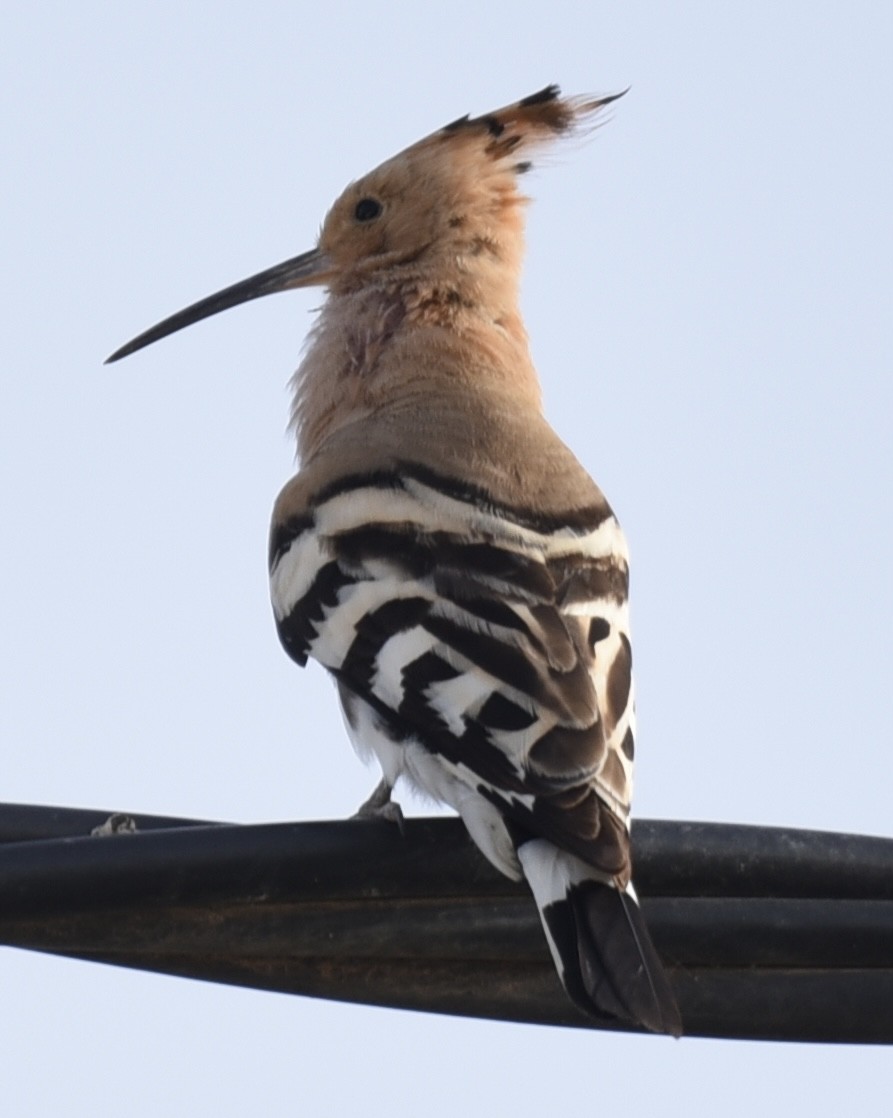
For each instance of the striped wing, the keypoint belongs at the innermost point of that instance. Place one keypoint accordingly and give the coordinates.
(495, 639)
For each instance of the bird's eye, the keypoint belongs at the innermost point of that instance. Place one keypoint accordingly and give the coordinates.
(367, 209)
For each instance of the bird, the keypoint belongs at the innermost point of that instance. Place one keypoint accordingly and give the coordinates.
(447, 558)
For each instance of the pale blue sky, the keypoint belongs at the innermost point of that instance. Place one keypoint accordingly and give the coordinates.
(708, 291)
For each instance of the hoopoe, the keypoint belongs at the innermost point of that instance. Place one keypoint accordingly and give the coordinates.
(446, 557)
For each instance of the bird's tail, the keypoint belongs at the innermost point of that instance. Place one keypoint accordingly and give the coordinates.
(598, 939)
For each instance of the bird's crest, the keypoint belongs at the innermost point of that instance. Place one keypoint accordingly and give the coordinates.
(521, 126)
(452, 196)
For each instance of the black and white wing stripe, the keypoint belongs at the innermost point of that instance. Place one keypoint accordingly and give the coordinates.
(485, 649)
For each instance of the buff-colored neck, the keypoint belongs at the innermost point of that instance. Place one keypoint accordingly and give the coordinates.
(424, 336)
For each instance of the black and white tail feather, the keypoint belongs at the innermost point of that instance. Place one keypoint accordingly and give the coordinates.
(599, 942)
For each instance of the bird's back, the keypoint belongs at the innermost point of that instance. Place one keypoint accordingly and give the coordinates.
(476, 537)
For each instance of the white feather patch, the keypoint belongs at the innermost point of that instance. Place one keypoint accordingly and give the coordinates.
(398, 653)
(294, 572)
(453, 699)
(369, 739)
(552, 872)
(605, 540)
(433, 510)
(358, 508)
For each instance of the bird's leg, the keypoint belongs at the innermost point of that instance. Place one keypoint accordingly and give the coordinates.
(381, 806)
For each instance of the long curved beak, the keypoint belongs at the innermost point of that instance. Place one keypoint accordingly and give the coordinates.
(301, 271)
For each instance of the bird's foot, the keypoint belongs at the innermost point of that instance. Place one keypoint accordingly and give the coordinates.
(381, 806)
(117, 824)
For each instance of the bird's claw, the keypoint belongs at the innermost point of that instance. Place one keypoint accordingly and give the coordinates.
(381, 806)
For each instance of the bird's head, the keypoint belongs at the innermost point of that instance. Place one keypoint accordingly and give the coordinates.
(449, 204)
